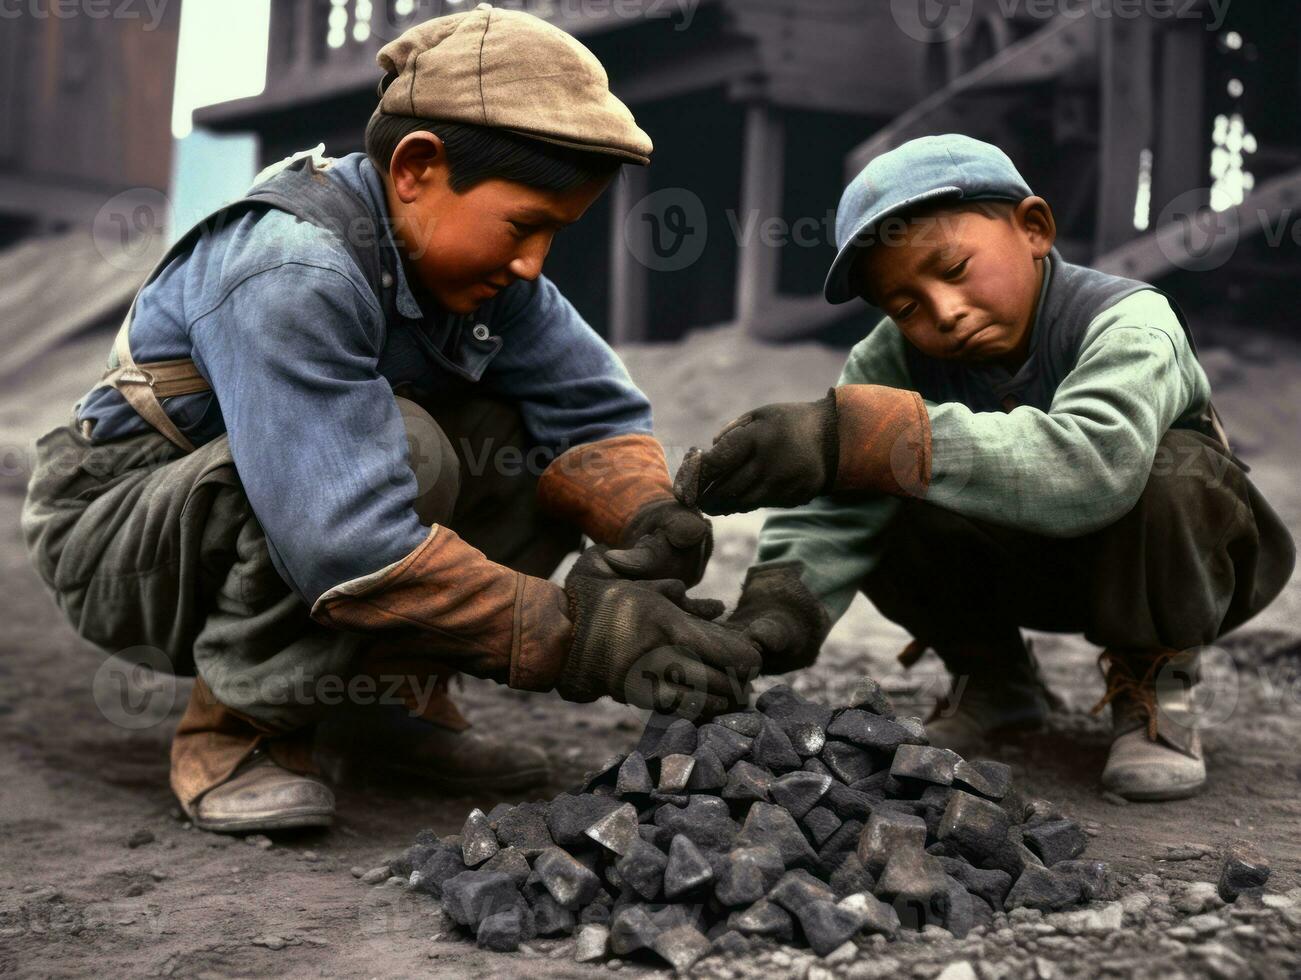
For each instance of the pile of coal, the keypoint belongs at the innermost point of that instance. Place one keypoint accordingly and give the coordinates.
(792, 822)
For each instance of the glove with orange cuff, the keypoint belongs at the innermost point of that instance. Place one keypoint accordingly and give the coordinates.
(859, 437)
(618, 491)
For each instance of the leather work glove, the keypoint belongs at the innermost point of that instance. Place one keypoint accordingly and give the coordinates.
(618, 491)
(778, 612)
(859, 437)
(648, 644)
(776, 456)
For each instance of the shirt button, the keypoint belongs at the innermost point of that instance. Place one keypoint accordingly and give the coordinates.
(386, 280)
(481, 331)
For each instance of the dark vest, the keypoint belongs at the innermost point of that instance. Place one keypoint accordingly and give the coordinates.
(1074, 297)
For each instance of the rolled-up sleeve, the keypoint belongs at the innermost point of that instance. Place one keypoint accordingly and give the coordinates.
(315, 433)
(570, 386)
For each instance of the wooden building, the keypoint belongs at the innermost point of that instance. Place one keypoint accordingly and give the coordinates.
(761, 109)
(85, 115)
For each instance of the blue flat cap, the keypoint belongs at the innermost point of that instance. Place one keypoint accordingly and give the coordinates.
(931, 168)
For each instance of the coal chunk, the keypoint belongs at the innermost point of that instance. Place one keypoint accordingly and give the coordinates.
(511, 861)
(687, 869)
(570, 882)
(807, 739)
(798, 889)
(550, 918)
(766, 919)
(846, 803)
(847, 761)
(850, 877)
(1044, 889)
(1242, 869)
(631, 929)
(870, 731)
(678, 739)
(443, 863)
(769, 824)
(828, 926)
(616, 830)
(641, 868)
(924, 764)
(915, 884)
(472, 896)
(634, 776)
(747, 781)
(878, 917)
(502, 932)
(728, 745)
(708, 773)
(772, 749)
(675, 770)
(745, 723)
(868, 696)
(789, 710)
(478, 843)
(978, 827)
(745, 874)
(887, 832)
(525, 827)
(992, 780)
(681, 946)
(991, 885)
(820, 823)
(799, 792)
(817, 766)
(1056, 840)
(1091, 876)
(603, 776)
(705, 820)
(843, 841)
(569, 816)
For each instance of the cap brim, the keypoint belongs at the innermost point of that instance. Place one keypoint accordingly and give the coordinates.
(836, 288)
(631, 156)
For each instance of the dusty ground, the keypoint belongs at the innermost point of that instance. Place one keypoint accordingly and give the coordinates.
(75, 899)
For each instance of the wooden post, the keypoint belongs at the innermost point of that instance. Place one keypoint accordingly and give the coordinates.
(1182, 153)
(628, 277)
(1126, 125)
(762, 168)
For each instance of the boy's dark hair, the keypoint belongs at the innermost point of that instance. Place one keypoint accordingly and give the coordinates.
(479, 153)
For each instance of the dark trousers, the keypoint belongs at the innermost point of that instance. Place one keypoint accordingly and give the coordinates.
(1198, 555)
(156, 555)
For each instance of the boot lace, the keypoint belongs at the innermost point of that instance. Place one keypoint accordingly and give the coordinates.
(1125, 684)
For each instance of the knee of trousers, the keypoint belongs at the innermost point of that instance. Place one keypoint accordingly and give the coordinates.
(434, 462)
(1195, 494)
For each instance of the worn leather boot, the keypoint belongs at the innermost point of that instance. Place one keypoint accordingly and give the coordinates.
(996, 691)
(1156, 752)
(233, 776)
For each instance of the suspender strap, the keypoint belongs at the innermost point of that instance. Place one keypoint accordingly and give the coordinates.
(295, 185)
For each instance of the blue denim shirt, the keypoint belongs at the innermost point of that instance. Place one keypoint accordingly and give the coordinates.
(302, 358)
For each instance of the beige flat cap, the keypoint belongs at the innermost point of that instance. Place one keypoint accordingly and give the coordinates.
(513, 71)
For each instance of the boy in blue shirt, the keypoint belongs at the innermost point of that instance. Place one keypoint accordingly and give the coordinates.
(349, 429)
(1020, 443)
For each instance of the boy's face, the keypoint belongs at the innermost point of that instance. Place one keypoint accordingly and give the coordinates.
(465, 248)
(961, 285)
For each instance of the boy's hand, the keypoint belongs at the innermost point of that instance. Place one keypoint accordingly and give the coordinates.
(648, 644)
(776, 456)
(777, 611)
(668, 540)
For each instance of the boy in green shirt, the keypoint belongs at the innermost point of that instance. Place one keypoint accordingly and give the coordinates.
(1020, 443)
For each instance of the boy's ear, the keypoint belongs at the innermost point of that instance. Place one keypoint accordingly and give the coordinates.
(417, 159)
(1035, 219)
